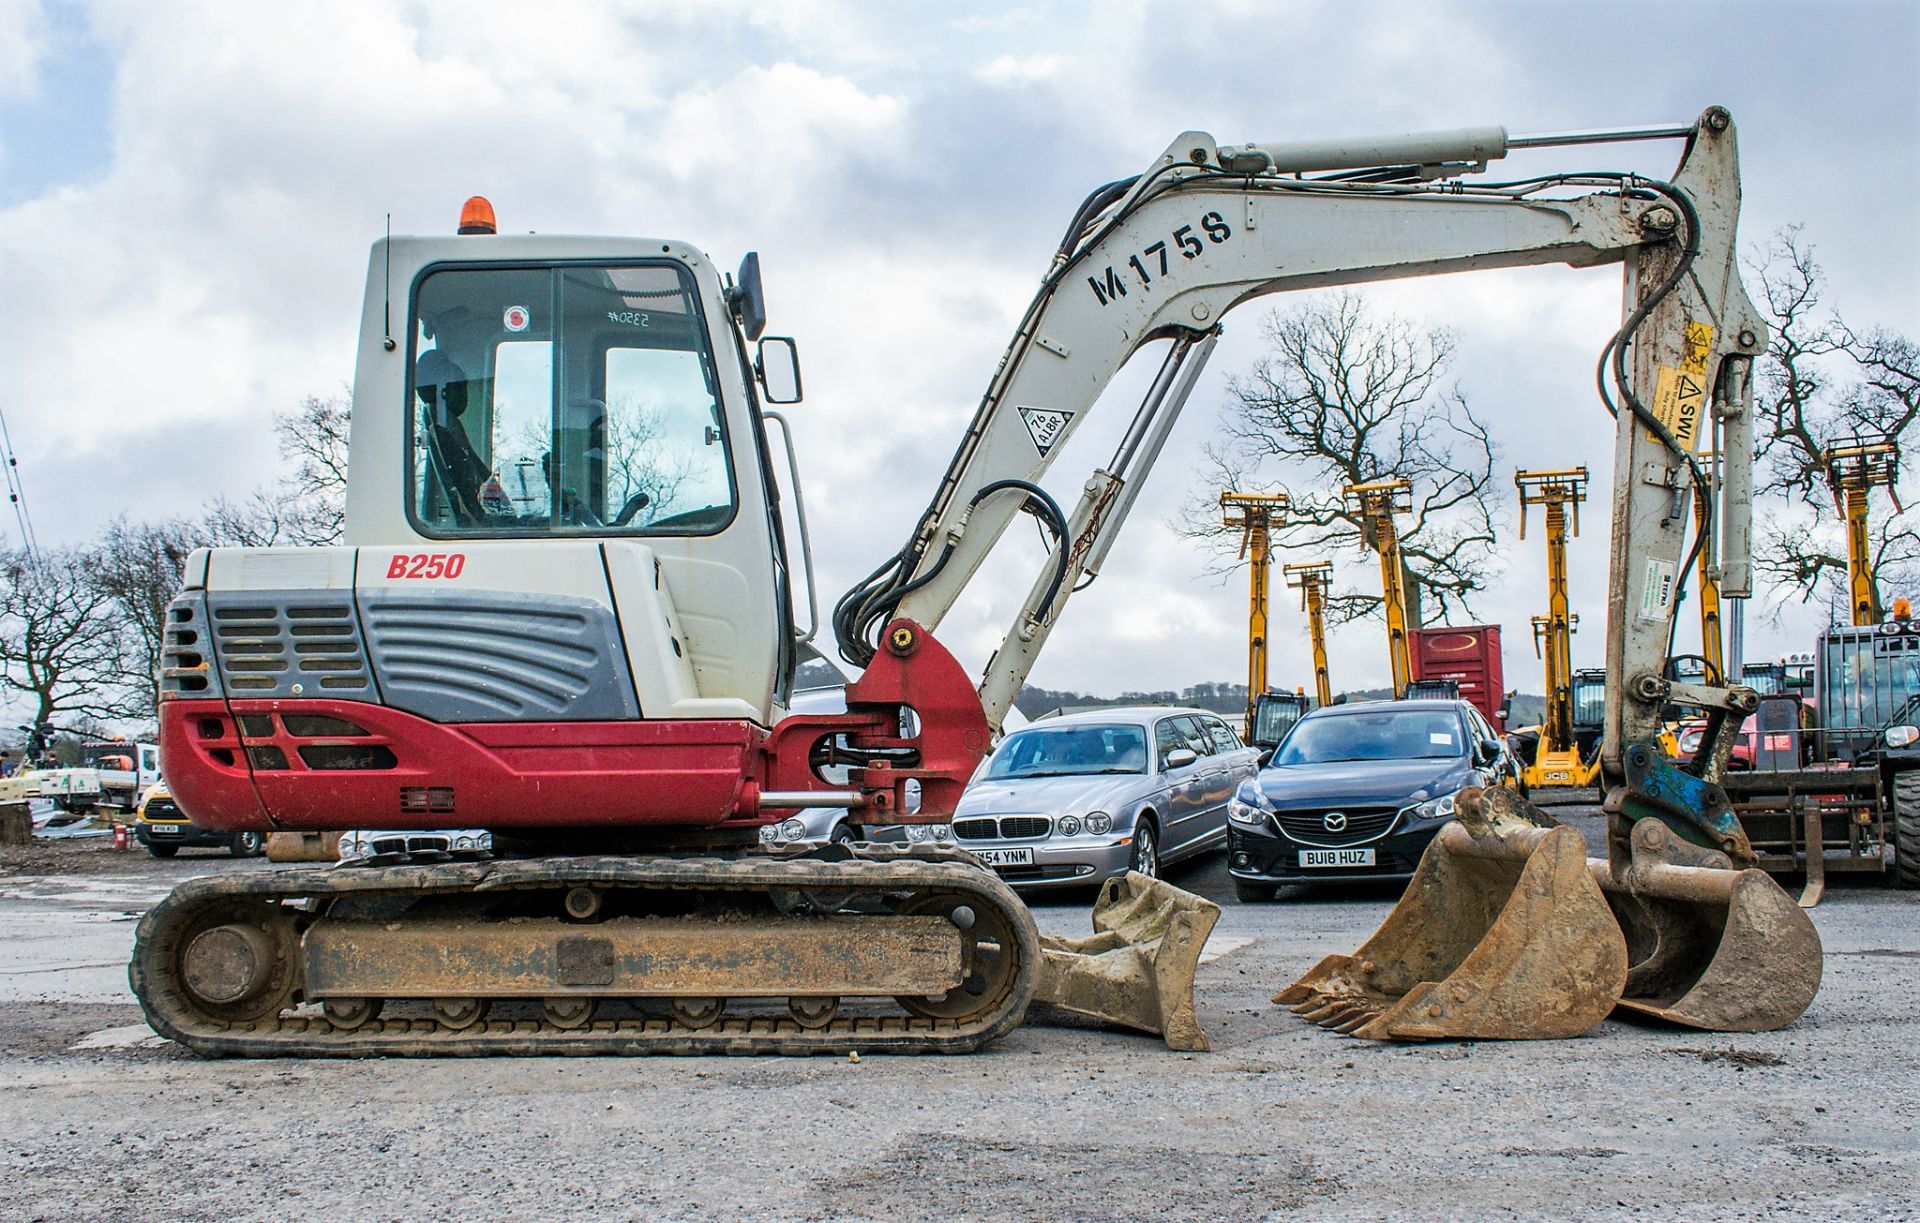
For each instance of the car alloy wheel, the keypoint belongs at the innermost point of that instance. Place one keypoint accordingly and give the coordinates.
(1146, 851)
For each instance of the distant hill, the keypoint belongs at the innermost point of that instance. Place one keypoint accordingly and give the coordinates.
(1033, 701)
(1220, 698)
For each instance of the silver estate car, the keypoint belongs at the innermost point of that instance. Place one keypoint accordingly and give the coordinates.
(1074, 800)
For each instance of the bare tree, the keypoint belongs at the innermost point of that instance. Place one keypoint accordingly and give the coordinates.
(138, 566)
(267, 518)
(1825, 384)
(632, 445)
(61, 645)
(314, 436)
(1345, 396)
(307, 507)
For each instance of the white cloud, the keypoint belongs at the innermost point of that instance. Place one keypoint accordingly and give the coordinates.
(905, 197)
(994, 23)
(782, 124)
(23, 46)
(1022, 69)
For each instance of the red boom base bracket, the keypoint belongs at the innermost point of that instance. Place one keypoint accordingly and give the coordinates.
(315, 764)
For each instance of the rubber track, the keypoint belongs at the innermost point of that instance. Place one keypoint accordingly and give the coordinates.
(173, 1014)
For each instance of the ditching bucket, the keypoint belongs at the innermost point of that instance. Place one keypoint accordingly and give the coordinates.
(1719, 949)
(1137, 969)
(1503, 935)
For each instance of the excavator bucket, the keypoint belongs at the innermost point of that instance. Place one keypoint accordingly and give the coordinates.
(1707, 946)
(1509, 931)
(1501, 935)
(1137, 968)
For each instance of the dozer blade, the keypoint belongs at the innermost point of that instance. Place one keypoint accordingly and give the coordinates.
(1137, 969)
(1707, 946)
(1503, 934)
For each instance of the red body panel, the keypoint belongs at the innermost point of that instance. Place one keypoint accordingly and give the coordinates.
(1470, 654)
(237, 764)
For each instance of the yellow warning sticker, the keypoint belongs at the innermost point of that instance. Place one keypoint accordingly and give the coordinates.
(1680, 394)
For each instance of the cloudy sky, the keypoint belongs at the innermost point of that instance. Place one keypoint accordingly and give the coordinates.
(187, 192)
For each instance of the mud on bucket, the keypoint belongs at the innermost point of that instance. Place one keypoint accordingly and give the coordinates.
(1501, 935)
(1137, 968)
(1718, 949)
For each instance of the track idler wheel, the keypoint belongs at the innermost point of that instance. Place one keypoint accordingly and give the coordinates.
(239, 963)
(991, 962)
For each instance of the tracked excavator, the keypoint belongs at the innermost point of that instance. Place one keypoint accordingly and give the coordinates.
(567, 610)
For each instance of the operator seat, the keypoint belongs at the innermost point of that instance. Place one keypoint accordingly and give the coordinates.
(442, 387)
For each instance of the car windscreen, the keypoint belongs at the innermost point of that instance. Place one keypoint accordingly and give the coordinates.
(1068, 751)
(1389, 734)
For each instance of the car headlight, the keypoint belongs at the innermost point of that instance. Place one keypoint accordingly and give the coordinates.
(1902, 736)
(1248, 805)
(463, 841)
(354, 846)
(919, 834)
(1438, 808)
(943, 832)
(1067, 825)
(769, 833)
(1099, 823)
(792, 830)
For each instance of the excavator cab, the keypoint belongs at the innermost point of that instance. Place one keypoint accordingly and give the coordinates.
(563, 537)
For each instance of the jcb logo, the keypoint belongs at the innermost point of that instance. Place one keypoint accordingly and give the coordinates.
(426, 565)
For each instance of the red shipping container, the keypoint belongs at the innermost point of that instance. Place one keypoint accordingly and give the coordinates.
(1468, 654)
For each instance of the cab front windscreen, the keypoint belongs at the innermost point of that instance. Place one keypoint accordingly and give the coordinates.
(564, 399)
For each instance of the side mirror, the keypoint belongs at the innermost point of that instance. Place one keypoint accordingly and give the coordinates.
(777, 366)
(1181, 757)
(1489, 751)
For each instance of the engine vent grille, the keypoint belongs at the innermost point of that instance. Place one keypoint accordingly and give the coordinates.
(185, 667)
(302, 645)
(428, 800)
(497, 656)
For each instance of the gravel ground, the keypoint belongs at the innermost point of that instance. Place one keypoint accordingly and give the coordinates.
(102, 1122)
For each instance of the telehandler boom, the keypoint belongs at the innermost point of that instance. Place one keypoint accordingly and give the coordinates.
(1256, 514)
(1376, 503)
(1556, 760)
(1854, 470)
(565, 610)
(1311, 579)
